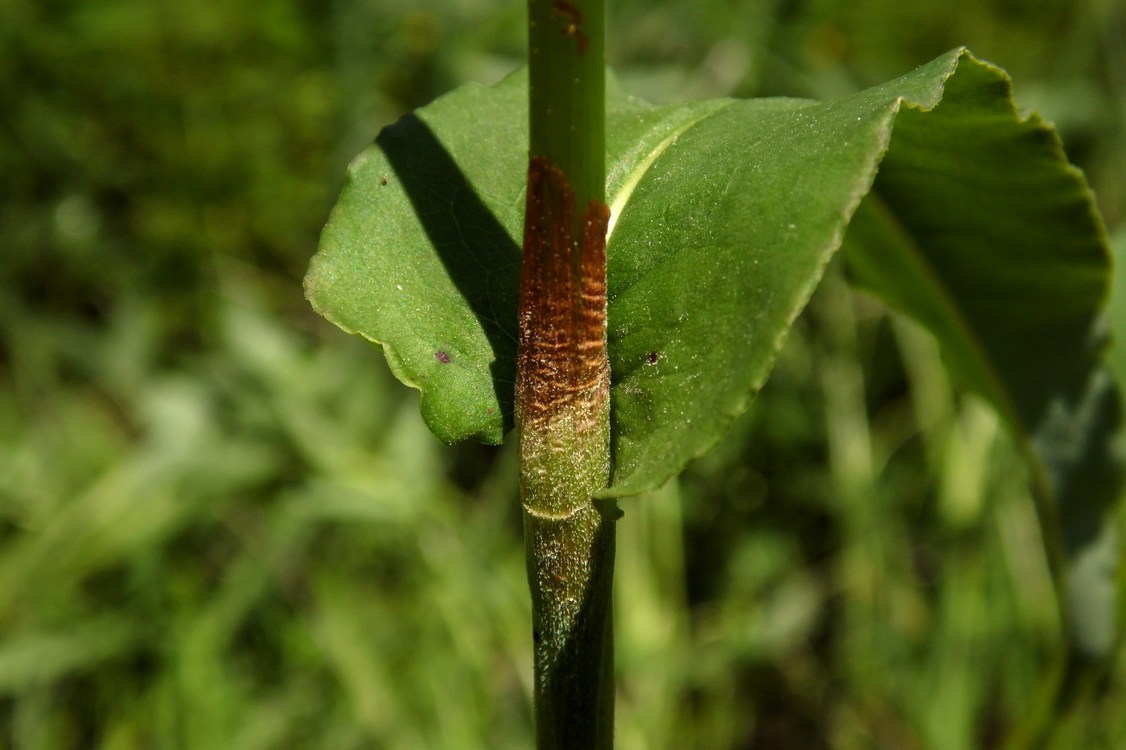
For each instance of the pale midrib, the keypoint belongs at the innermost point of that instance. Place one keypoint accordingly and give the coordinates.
(638, 172)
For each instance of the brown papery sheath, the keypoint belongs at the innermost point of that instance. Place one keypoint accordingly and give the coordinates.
(561, 360)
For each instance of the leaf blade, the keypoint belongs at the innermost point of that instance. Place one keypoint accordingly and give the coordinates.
(726, 213)
(979, 229)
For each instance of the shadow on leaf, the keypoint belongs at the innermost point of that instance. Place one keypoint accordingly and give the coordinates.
(479, 255)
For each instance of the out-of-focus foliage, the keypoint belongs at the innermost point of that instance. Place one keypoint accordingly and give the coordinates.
(221, 524)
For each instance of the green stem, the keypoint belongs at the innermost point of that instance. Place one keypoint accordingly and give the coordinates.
(567, 91)
(563, 379)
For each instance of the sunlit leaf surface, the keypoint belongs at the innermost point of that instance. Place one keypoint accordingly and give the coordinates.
(725, 212)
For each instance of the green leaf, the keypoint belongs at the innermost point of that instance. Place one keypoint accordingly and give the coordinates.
(419, 255)
(979, 229)
(724, 214)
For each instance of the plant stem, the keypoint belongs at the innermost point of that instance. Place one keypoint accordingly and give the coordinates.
(563, 379)
(567, 91)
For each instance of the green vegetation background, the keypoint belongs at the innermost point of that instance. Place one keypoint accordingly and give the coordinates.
(223, 525)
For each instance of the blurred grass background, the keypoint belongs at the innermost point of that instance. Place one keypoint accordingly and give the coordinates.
(223, 525)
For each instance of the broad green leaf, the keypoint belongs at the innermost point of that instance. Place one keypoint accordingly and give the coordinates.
(419, 255)
(724, 214)
(978, 228)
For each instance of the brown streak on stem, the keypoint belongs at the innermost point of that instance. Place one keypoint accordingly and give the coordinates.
(574, 23)
(561, 360)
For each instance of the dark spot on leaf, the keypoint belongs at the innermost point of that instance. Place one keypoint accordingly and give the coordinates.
(651, 358)
(382, 180)
(442, 357)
